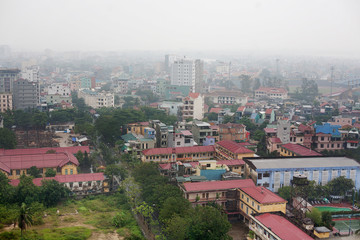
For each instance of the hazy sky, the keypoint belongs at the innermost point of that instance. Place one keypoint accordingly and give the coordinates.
(285, 26)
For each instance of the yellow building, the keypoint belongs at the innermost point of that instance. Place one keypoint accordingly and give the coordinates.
(13, 166)
(259, 200)
(322, 232)
(137, 128)
(229, 150)
(293, 150)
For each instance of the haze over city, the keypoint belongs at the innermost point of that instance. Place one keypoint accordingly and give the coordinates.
(323, 27)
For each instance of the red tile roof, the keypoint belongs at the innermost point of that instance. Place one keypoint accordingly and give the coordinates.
(233, 147)
(84, 177)
(282, 227)
(300, 150)
(268, 111)
(262, 195)
(194, 95)
(38, 160)
(240, 109)
(236, 162)
(167, 151)
(217, 185)
(275, 140)
(215, 110)
(72, 150)
(304, 128)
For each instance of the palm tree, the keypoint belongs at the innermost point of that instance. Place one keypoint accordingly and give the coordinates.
(24, 218)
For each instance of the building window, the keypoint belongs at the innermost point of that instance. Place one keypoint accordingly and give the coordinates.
(80, 184)
(258, 207)
(253, 204)
(66, 172)
(89, 183)
(247, 199)
(71, 172)
(71, 185)
(17, 172)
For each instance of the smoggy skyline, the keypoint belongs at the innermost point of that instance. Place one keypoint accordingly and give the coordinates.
(284, 27)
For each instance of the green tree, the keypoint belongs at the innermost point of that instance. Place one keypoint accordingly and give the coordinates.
(174, 206)
(340, 186)
(212, 116)
(326, 218)
(285, 193)
(25, 218)
(315, 216)
(50, 172)
(177, 228)
(51, 192)
(208, 223)
(80, 157)
(34, 172)
(257, 84)
(258, 135)
(6, 190)
(7, 139)
(39, 120)
(26, 191)
(112, 171)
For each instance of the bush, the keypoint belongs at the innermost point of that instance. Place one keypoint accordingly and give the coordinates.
(119, 220)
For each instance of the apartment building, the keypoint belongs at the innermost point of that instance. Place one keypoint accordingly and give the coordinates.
(227, 97)
(6, 102)
(7, 78)
(202, 130)
(97, 99)
(193, 107)
(233, 132)
(25, 94)
(187, 72)
(273, 173)
(258, 199)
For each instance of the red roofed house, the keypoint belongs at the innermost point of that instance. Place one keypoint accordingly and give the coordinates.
(291, 150)
(265, 92)
(79, 184)
(15, 162)
(215, 110)
(273, 144)
(63, 163)
(259, 199)
(233, 165)
(230, 150)
(275, 226)
(223, 192)
(183, 154)
(193, 106)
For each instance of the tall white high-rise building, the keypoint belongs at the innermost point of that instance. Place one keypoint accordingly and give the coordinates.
(187, 72)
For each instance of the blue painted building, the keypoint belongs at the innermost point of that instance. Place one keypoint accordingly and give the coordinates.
(327, 128)
(274, 173)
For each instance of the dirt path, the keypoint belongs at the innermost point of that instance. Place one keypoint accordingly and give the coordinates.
(105, 236)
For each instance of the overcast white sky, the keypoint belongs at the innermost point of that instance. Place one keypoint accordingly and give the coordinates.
(285, 26)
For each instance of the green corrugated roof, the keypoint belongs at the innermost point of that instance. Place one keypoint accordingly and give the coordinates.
(128, 137)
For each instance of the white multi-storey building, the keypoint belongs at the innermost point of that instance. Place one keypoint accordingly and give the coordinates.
(96, 99)
(62, 89)
(31, 73)
(187, 72)
(193, 106)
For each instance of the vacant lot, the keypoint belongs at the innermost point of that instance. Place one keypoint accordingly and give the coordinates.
(101, 217)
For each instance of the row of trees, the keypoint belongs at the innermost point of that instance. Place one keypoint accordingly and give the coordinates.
(338, 187)
(164, 206)
(49, 194)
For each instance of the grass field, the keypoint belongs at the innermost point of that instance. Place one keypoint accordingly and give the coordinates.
(344, 226)
(89, 218)
(332, 209)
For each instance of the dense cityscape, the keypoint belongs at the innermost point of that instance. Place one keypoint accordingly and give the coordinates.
(177, 144)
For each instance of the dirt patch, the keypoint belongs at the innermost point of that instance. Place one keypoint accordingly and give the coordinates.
(238, 231)
(105, 236)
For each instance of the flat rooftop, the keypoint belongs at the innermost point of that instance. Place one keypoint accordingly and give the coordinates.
(302, 162)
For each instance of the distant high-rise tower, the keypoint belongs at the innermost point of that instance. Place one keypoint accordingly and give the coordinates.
(169, 60)
(7, 78)
(188, 72)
